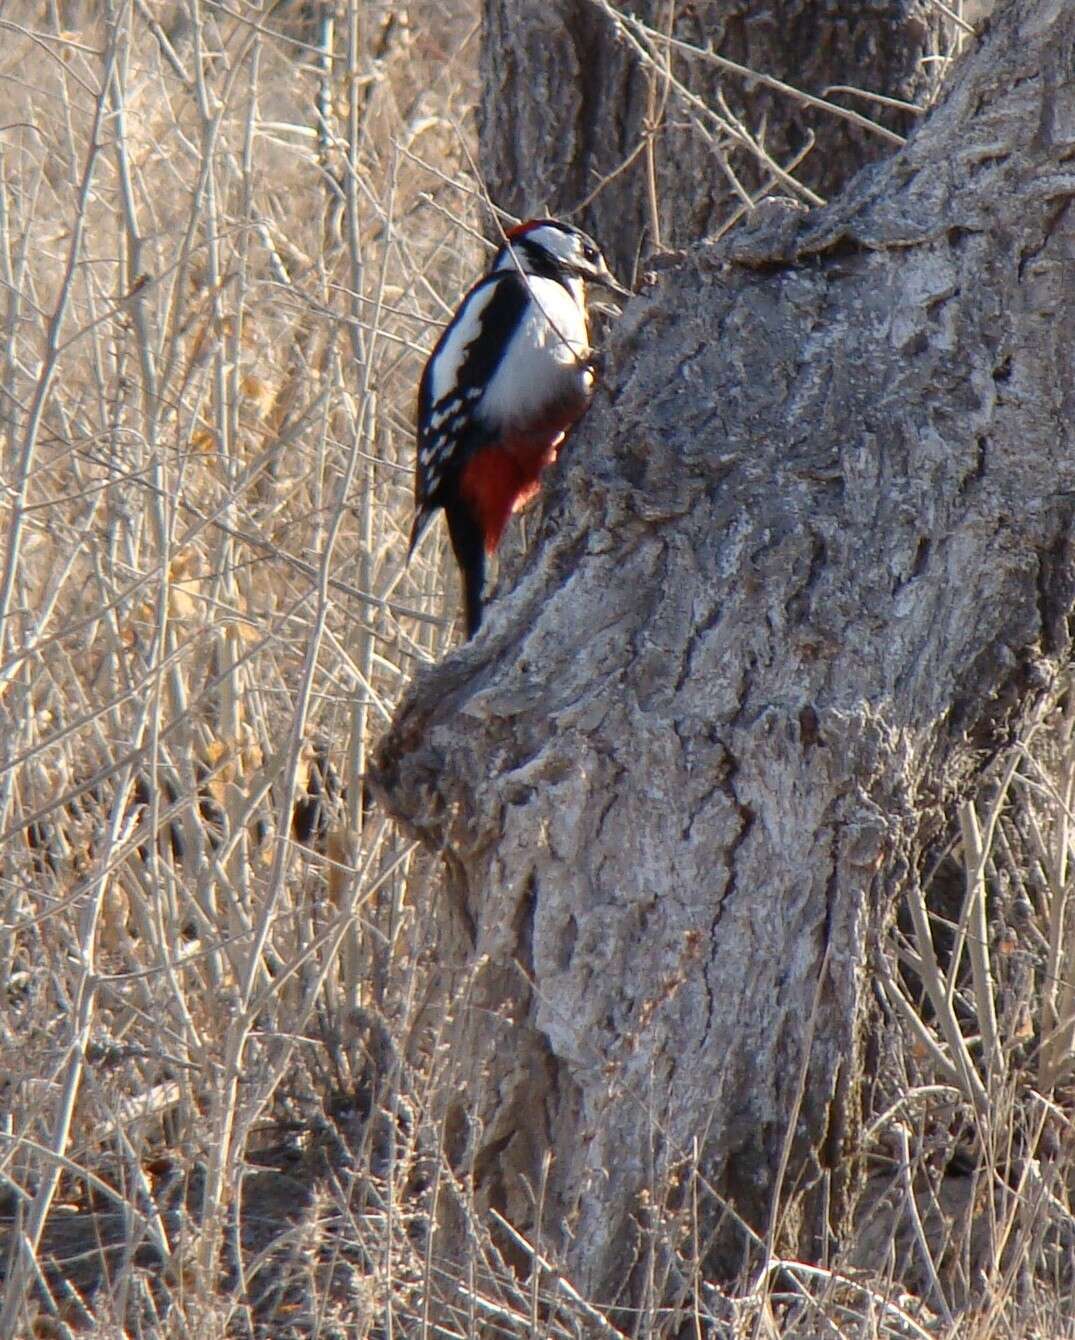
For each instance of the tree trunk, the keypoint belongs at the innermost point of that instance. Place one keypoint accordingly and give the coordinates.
(801, 572)
(566, 103)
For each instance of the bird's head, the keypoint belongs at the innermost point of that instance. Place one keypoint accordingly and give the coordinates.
(548, 247)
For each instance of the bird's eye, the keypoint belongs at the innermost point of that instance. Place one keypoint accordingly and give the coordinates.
(589, 251)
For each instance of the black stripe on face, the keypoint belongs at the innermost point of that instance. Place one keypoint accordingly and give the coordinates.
(530, 255)
(541, 262)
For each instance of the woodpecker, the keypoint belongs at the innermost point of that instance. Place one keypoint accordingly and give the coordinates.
(506, 382)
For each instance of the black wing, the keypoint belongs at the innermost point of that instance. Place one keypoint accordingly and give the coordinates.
(450, 431)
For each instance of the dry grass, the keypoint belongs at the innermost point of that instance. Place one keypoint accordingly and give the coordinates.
(214, 320)
(973, 1189)
(225, 1022)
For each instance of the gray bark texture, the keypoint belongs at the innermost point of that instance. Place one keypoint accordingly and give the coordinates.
(802, 571)
(565, 103)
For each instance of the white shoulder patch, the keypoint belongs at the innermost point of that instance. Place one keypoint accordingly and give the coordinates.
(448, 357)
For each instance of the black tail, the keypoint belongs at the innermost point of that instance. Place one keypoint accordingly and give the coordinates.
(468, 545)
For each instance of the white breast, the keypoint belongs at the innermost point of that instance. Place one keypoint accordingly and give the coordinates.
(543, 365)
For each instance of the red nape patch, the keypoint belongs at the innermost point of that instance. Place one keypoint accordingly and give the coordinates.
(521, 229)
(502, 479)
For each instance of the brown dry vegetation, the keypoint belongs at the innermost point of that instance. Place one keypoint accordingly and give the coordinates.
(220, 272)
(225, 1023)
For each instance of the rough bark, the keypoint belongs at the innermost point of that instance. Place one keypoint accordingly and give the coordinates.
(565, 104)
(803, 569)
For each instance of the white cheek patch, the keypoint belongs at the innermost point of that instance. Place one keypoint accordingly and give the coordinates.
(564, 246)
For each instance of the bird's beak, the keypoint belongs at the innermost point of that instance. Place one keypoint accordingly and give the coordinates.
(608, 280)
